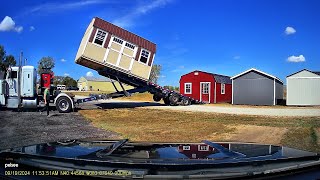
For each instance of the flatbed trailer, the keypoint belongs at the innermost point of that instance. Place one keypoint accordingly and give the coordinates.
(169, 97)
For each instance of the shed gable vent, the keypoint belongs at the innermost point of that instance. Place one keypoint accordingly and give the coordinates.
(196, 73)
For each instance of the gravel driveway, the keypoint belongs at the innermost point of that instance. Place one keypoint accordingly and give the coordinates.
(26, 128)
(269, 111)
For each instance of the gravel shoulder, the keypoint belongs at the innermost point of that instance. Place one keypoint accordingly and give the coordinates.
(27, 128)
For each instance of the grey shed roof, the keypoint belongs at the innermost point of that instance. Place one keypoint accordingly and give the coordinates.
(222, 79)
(316, 72)
(98, 79)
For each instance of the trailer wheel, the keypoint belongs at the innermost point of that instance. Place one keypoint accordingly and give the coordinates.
(63, 104)
(156, 98)
(186, 101)
(166, 101)
(174, 99)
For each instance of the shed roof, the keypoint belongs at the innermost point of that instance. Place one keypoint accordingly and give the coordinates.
(314, 72)
(124, 34)
(218, 77)
(256, 70)
(97, 79)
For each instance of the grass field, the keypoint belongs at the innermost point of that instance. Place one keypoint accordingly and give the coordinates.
(140, 124)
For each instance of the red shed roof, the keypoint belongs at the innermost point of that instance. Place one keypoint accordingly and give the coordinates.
(124, 34)
(218, 77)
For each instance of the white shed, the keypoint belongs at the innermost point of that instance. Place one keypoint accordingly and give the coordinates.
(303, 88)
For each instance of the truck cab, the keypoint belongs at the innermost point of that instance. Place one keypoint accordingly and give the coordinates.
(19, 90)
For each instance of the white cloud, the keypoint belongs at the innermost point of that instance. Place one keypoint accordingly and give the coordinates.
(89, 74)
(66, 74)
(32, 28)
(56, 7)
(7, 24)
(236, 57)
(290, 30)
(63, 60)
(179, 69)
(128, 19)
(295, 59)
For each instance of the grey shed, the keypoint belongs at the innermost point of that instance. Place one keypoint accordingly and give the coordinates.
(303, 88)
(254, 87)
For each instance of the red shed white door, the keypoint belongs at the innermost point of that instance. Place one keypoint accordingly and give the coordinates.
(205, 92)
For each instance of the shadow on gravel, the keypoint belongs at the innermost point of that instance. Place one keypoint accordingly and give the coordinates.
(117, 105)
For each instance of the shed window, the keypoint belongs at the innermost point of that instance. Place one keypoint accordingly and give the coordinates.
(100, 37)
(186, 148)
(187, 88)
(144, 56)
(205, 88)
(223, 87)
(117, 40)
(203, 148)
(131, 46)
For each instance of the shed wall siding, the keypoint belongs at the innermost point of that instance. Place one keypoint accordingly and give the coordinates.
(226, 97)
(84, 40)
(279, 90)
(195, 80)
(253, 89)
(303, 91)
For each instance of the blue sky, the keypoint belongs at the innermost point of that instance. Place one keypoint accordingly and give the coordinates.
(218, 36)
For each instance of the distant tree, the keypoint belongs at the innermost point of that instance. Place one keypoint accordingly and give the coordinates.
(2, 56)
(155, 73)
(9, 61)
(6, 61)
(172, 88)
(69, 81)
(45, 65)
(58, 80)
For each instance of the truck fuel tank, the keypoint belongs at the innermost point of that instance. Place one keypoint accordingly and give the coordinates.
(29, 103)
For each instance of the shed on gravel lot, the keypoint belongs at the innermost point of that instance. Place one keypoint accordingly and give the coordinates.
(254, 87)
(206, 87)
(303, 88)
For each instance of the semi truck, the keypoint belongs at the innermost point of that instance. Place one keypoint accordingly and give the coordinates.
(19, 90)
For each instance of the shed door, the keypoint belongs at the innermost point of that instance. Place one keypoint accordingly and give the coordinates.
(205, 92)
(121, 53)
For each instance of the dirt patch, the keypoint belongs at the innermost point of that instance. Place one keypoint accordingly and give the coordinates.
(27, 128)
(257, 134)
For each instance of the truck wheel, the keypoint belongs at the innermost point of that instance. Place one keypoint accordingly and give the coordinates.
(186, 101)
(156, 98)
(174, 99)
(63, 104)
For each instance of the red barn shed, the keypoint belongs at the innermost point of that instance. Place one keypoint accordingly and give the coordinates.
(206, 87)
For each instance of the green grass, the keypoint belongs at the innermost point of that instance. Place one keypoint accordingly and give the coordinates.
(141, 124)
